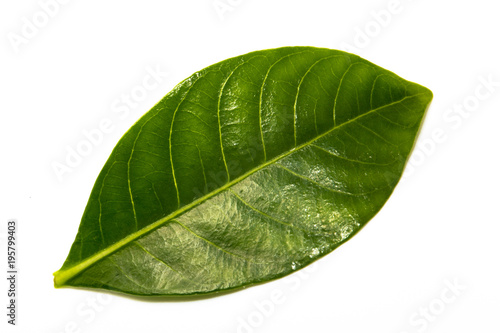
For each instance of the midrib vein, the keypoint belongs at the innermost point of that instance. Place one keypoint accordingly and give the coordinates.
(62, 276)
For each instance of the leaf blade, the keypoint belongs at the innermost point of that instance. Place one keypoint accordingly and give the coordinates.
(283, 121)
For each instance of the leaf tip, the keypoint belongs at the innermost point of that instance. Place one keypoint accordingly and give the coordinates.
(428, 94)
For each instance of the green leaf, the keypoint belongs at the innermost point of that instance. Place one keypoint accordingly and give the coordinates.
(246, 171)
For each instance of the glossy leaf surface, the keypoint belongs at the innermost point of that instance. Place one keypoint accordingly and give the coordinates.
(248, 170)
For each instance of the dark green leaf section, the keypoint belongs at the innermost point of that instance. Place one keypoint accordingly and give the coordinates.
(248, 170)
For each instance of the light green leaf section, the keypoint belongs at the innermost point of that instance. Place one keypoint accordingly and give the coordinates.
(247, 171)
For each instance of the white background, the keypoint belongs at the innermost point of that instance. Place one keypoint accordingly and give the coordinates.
(440, 227)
